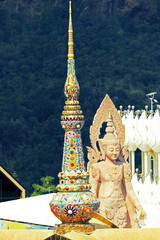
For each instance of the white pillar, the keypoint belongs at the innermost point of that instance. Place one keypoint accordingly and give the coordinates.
(132, 162)
(155, 166)
(158, 165)
(145, 164)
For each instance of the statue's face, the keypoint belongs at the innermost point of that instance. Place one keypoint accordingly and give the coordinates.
(112, 151)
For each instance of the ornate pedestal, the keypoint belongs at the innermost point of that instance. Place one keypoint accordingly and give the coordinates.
(78, 227)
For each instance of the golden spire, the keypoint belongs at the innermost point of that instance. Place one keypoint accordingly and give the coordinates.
(70, 34)
(71, 87)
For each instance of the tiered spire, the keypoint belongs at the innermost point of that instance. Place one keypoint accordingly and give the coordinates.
(70, 34)
(73, 203)
(72, 118)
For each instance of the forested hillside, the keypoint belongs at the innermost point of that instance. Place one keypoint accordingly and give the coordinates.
(117, 51)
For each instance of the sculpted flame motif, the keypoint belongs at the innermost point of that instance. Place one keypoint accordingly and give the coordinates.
(111, 177)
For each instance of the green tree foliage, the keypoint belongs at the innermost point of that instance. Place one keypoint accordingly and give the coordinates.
(15, 175)
(118, 55)
(46, 187)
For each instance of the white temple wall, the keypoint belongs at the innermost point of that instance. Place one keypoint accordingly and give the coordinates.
(150, 165)
(143, 141)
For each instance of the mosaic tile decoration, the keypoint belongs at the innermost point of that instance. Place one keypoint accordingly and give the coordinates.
(73, 203)
(71, 63)
(72, 153)
(78, 206)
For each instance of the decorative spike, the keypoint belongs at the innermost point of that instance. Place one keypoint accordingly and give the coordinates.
(70, 34)
(71, 87)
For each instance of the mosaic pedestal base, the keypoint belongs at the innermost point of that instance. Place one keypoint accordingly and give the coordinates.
(64, 228)
(74, 207)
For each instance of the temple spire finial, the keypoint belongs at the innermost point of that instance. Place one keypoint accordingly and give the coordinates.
(71, 87)
(70, 34)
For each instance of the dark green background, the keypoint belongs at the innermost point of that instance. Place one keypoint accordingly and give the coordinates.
(117, 51)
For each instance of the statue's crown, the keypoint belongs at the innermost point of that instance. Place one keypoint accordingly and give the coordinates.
(110, 136)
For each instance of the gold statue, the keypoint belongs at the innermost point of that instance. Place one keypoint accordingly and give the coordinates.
(111, 177)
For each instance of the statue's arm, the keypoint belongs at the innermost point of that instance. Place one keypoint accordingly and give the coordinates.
(131, 194)
(95, 179)
(93, 157)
